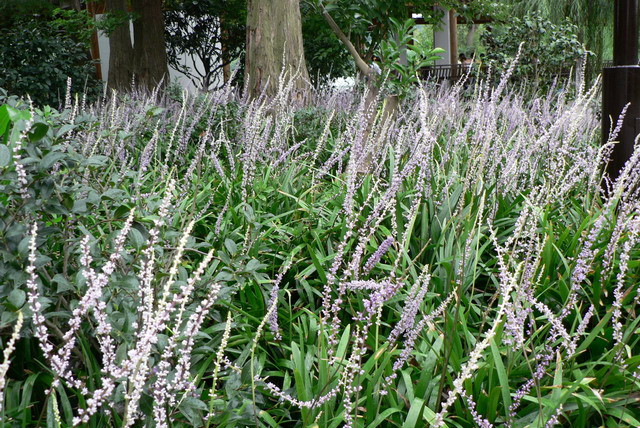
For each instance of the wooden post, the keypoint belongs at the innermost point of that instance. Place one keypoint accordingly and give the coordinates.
(625, 38)
(94, 8)
(621, 86)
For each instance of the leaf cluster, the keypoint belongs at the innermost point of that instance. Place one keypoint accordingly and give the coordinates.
(38, 57)
(400, 74)
(548, 49)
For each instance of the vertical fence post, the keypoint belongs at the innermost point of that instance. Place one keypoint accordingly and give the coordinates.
(621, 86)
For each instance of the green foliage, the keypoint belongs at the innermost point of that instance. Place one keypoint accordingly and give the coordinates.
(37, 59)
(469, 10)
(14, 12)
(42, 47)
(113, 19)
(400, 78)
(369, 22)
(78, 26)
(49, 194)
(326, 57)
(309, 123)
(593, 18)
(548, 49)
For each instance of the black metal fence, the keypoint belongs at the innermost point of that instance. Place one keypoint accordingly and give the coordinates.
(447, 71)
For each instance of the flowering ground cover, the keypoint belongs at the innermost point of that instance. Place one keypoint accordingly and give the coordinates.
(217, 261)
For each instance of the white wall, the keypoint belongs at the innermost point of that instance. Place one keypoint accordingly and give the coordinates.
(442, 39)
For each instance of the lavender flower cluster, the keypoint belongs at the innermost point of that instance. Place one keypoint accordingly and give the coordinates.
(456, 154)
(159, 313)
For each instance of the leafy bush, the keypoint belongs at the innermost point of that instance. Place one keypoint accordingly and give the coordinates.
(14, 12)
(398, 78)
(39, 170)
(38, 58)
(548, 49)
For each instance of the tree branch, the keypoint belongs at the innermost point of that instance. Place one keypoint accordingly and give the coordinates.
(362, 66)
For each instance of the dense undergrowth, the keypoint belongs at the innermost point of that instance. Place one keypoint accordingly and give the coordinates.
(215, 261)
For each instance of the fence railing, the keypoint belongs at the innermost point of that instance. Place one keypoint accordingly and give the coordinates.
(447, 72)
(444, 71)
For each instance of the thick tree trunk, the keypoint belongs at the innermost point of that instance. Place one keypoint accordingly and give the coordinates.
(274, 41)
(142, 61)
(453, 36)
(226, 73)
(150, 51)
(120, 50)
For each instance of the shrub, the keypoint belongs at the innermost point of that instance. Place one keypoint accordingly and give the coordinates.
(38, 59)
(14, 12)
(548, 49)
(44, 176)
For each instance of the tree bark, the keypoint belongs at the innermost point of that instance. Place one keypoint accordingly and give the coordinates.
(226, 68)
(150, 52)
(274, 45)
(470, 35)
(120, 50)
(143, 60)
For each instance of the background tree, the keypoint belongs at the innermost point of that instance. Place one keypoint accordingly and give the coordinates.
(593, 18)
(327, 59)
(149, 48)
(366, 22)
(121, 61)
(211, 32)
(549, 50)
(274, 45)
(145, 59)
(370, 22)
(366, 26)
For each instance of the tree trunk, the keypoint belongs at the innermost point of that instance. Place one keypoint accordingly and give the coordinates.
(120, 50)
(470, 36)
(274, 41)
(226, 67)
(146, 57)
(150, 51)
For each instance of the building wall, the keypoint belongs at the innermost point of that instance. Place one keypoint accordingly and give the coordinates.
(442, 39)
